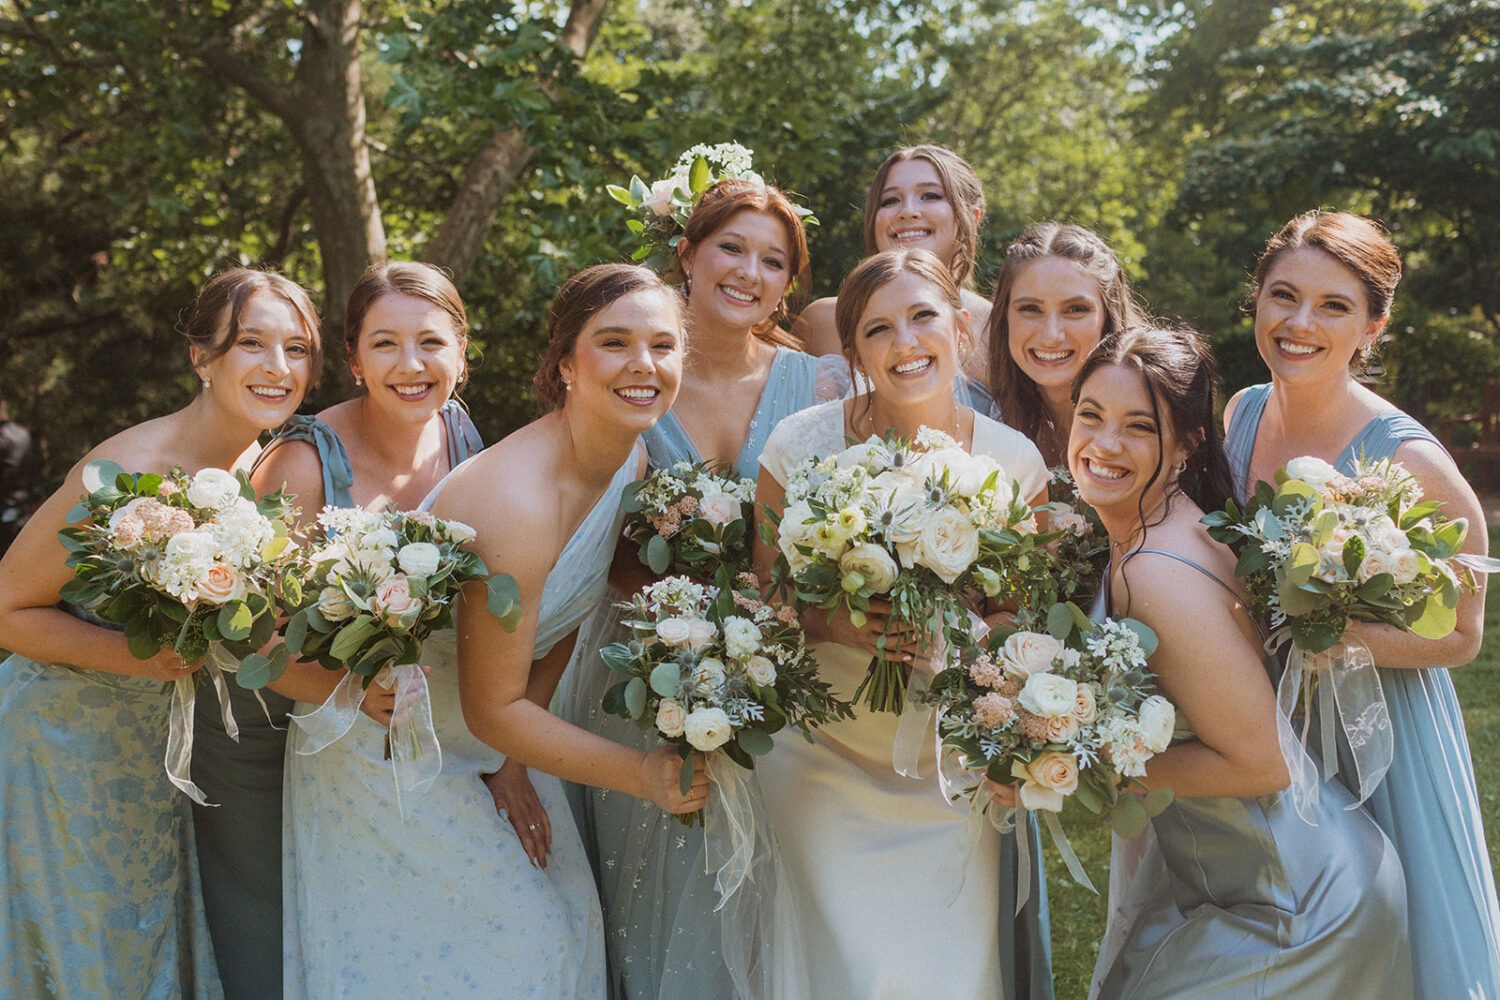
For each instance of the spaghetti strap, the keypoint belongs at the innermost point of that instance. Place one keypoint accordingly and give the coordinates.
(1238, 599)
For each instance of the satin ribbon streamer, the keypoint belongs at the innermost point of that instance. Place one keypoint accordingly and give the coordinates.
(729, 827)
(416, 758)
(1317, 688)
(179, 761)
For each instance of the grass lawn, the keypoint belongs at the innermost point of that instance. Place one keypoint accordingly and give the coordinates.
(1078, 915)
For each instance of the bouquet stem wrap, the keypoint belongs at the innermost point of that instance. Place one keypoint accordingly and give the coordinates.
(1336, 688)
(415, 755)
(180, 723)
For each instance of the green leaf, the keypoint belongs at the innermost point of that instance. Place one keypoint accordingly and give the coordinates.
(1353, 555)
(754, 741)
(1437, 620)
(254, 672)
(635, 697)
(666, 679)
(1129, 817)
(101, 473)
(352, 636)
(685, 778)
(1059, 622)
(1158, 799)
(658, 555)
(504, 601)
(1143, 635)
(235, 620)
(698, 180)
(620, 194)
(1301, 564)
(296, 632)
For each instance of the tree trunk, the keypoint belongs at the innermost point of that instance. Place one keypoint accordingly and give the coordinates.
(493, 171)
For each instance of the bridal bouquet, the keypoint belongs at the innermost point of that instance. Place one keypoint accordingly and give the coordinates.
(373, 587)
(722, 683)
(1319, 550)
(921, 523)
(1082, 547)
(1070, 715)
(188, 562)
(693, 520)
(661, 209)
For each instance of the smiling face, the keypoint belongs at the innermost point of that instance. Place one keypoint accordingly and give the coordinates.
(1119, 448)
(907, 340)
(1055, 316)
(1312, 316)
(408, 355)
(740, 271)
(626, 365)
(262, 376)
(914, 211)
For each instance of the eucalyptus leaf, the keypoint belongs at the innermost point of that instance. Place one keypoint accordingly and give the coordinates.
(100, 473)
(504, 600)
(635, 697)
(754, 741)
(1128, 818)
(254, 672)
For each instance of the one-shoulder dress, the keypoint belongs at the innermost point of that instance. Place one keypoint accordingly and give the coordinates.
(892, 897)
(1428, 803)
(238, 840)
(663, 934)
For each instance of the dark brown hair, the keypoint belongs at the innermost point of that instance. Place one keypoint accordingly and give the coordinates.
(960, 186)
(405, 277)
(1021, 403)
(714, 209)
(878, 270)
(1177, 368)
(1360, 244)
(214, 323)
(579, 300)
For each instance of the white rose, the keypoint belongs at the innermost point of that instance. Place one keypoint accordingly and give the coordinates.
(874, 565)
(1049, 695)
(1377, 561)
(191, 547)
(1085, 705)
(761, 670)
(459, 533)
(708, 674)
(742, 637)
(719, 508)
(1046, 780)
(674, 631)
(708, 729)
(659, 201)
(795, 531)
(1157, 720)
(1028, 653)
(948, 544)
(1313, 471)
(334, 605)
(418, 559)
(701, 633)
(221, 584)
(1405, 566)
(212, 488)
(671, 719)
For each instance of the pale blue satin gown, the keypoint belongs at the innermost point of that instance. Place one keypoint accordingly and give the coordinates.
(239, 839)
(1428, 803)
(1240, 899)
(446, 903)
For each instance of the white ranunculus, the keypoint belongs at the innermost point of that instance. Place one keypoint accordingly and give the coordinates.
(1026, 654)
(1157, 719)
(380, 538)
(671, 718)
(761, 670)
(742, 637)
(195, 547)
(1049, 695)
(418, 559)
(873, 563)
(913, 514)
(708, 729)
(948, 544)
(212, 488)
(1311, 470)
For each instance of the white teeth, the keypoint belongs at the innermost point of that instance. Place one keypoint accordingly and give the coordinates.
(916, 365)
(411, 390)
(642, 394)
(1105, 472)
(270, 392)
(1041, 355)
(1301, 350)
(912, 234)
(737, 295)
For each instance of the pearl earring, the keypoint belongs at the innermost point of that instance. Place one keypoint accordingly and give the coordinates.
(359, 382)
(206, 381)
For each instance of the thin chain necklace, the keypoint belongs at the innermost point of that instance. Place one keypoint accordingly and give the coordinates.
(955, 431)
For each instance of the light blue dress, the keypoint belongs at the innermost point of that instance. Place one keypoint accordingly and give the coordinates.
(1428, 804)
(239, 840)
(446, 903)
(1240, 899)
(101, 887)
(663, 935)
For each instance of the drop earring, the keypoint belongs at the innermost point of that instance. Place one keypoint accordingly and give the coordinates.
(359, 382)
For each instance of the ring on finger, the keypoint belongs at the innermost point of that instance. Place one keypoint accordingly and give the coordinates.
(531, 827)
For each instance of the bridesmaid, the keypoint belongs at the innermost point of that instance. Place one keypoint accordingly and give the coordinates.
(1240, 897)
(922, 197)
(1322, 294)
(893, 896)
(101, 885)
(545, 503)
(405, 332)
(742, 251)
(1060, 290)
